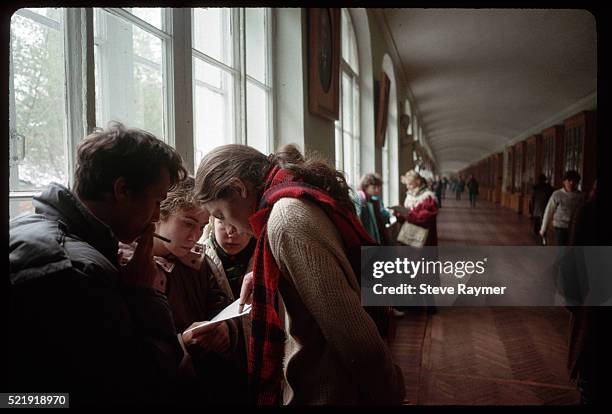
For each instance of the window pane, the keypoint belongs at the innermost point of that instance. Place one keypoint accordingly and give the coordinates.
(257, 117)
(385, 170)
(208, 74)
(349, 42)
(151, 15)
(352, 60)
(18, 206)
(130, 75)
(338, 137)
(347, 124)
(37, 55)
(256, 43)
(339, 147)
(344, 34)
(213, 110)
(212, 34)
(51, 13)
(356, 132)
(347, 103)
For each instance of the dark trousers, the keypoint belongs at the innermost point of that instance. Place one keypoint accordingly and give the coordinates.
(561, 236)
(458, 195)
(473, 199)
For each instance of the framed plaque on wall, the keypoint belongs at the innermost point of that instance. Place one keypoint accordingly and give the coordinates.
(382, 109)
(323, 61)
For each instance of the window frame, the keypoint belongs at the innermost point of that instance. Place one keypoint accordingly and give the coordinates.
(339, 126)
(177, 81)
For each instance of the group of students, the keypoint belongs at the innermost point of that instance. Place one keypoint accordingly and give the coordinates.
(108, 276)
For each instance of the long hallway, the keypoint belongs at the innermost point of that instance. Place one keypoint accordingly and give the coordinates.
(484, 355)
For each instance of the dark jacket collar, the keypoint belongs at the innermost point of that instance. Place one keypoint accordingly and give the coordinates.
(59, 203)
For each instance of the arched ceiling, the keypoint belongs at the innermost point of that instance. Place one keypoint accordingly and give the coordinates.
(482, 77)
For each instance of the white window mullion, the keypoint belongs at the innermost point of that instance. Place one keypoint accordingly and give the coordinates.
(258, 83)
(136, 21)
(181, 106)
(214, 62)
(356, 130)
(168, 79)
(78, 43)
(269, 21)
(39, 18)
(14, 140)
(340, 132)
(235, 118)
(242, 102)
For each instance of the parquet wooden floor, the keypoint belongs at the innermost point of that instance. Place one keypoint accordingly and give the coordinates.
(484, 355)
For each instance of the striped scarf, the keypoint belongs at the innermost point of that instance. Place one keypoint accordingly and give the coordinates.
(267, 336)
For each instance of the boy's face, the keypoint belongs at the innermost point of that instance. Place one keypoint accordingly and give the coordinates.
(184, 229)
(570, 184)
(228, 237)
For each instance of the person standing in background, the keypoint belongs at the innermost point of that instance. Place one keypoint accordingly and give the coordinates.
(371, 210)
(438, 190)
(539, 198)
(472, 186)
(459, 188)
(561, 207)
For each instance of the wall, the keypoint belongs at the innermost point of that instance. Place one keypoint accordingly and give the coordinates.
(289, 83)
(380, 47)
(295, 124)
(293, 121)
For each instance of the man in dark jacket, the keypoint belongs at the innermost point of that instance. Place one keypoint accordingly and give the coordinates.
(459, 188)
(472, 186)
(79, 322)
(539, 198)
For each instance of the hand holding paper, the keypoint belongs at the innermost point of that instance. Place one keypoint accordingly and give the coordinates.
(213, 337)
(232, 311)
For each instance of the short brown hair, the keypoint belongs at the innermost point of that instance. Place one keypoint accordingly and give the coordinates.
(181, 198)
(134, 154)
(370, 179)
(572, 175)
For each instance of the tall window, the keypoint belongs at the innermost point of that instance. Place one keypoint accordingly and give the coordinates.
(390, 163)
(232, 80)
(38, 147)
(347, 127)
(130, 55)
(548, 157)
(133, 72)
(386, 170)
(408, 111)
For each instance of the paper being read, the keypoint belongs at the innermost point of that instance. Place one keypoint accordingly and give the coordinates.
(228, 313)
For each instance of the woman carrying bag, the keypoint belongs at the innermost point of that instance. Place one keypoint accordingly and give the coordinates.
(419, 228)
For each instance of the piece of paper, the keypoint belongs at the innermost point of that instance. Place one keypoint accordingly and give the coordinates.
(230, 312)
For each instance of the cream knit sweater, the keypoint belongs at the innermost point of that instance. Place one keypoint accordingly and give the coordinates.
(333, 352)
